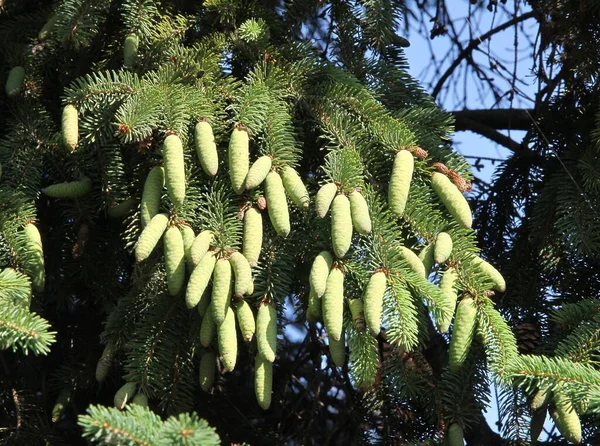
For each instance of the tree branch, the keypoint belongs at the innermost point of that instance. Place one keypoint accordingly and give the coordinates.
(474, 44)
(490, 133)
(498, 119)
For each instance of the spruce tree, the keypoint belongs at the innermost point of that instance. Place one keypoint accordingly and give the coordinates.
(183, 181)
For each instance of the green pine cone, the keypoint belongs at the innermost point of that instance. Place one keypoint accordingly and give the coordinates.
(72, 189)
(263, 381)
(200, 246)
(140, 399)
(130, 50)
(258, 172)
(492, 273)
(442, 248)
(360, 213)
(253, 235)
(536, 426)
(14, 81)
(208, 365)
(174, 260)
(341, 225)
(155, 181)
(221, 291)
(208, 328)
(239, 159)
(413, 261)
(333, 304)
(124, 394)
(337, 350)
(453, 199)
(199, 280)
(357, 309)
(70, 126)
(242, 274)
(104, 363)
(565, 418)
(462, 335)
(448, 287)
(245, 319)
(455, 436)
(266, 331)
(324, 198)
(206, 148)
(122, 209)
(313, 310)
(402, 172)
(373, 301)
(187, 233)
(227, 340)
(172, 151)
(150, 236)
(295, 187)
(426, 256)
(33, 265)
(62, 401)
(277, 204)
(319, 272)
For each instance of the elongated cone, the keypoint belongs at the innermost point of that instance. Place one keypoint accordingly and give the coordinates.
(357, 309)
(174, 260)
(70, 126)
(426, 256)
(319, 272)
(443, 247)
(199, 280)
(227, 340)
(242, 274)
(34, 264)
(221, 291)
(200, 246)
(14, 81)
(266, 331)
(462, 335)
(253, 235)
(453, 199)
(124, 394)
(373, 302)
(360, 213)
(402, 172)
(172, 151)
(337, 350)
(130, 50)
(155, 181)
(277, 204)
(341, 225)
(245, 319)
(206, 148)
(295, 187)
(455, 436)
(188, 236)
(71, 189)
(208, 365)
(324, 198)
(150, 236)
(263, 381)
(413, 261)
(448, 287)
(258, 172)
(491, 272)
(239, 158)
(333, 304)
(565, 418)
(208, 328)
